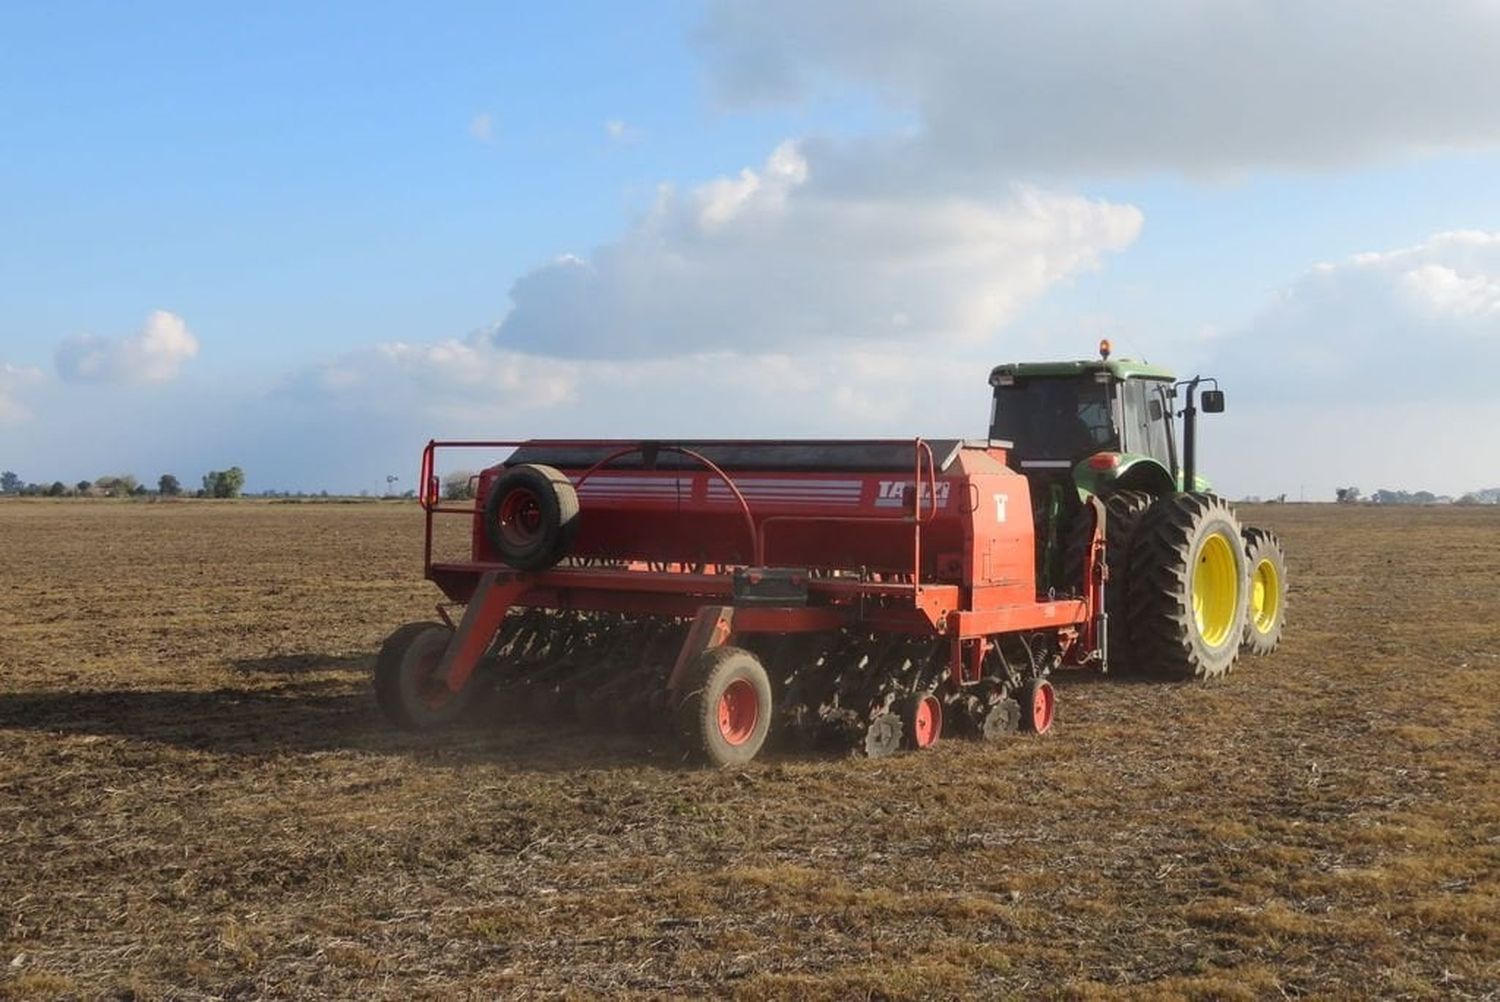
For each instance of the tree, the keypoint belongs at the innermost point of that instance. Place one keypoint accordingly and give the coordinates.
(1347, 495)
(10, 483)
(117, 486)
(223, 483)
(83, 486)
(57, 490)
(458, 485)
(169, 486)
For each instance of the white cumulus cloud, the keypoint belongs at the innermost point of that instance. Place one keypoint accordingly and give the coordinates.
(153, 354)
(1100, 86)
(767, 259)
(472, 387)
(482, 127)
(14, 379)
(1418, 323)
(620, 132)
(466, 378)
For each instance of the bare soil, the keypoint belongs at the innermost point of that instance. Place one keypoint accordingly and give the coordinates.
(198, 799)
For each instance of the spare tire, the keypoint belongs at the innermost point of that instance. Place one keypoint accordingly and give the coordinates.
(531, 516)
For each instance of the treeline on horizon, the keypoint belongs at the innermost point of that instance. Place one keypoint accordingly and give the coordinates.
(459, 485)
(1353, 495)
(228, 483)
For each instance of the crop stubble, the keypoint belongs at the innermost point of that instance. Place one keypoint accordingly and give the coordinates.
(197, 798)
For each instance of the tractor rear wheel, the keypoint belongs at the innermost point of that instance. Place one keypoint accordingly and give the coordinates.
(1185, 597)
(411, 692)
(531, 516)
(1266, 614)
(1124, 511)
(724, 710)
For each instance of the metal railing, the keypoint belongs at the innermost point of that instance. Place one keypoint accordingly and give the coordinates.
(429, 493)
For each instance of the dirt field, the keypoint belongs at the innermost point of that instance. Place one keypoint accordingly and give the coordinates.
(197, 798)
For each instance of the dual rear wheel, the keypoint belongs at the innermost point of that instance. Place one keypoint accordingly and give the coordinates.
(1266, 608)
(1197, 589)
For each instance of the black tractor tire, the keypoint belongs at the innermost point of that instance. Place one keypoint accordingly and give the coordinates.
(1185, 597)
(410, 692)
(724, 708)
(531, 516)
(1265, 616)
(1122, 513)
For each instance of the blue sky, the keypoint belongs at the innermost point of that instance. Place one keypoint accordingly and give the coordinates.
(306, 238)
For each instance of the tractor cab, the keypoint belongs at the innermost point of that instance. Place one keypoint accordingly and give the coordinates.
(1094, 427)
(1107, 422)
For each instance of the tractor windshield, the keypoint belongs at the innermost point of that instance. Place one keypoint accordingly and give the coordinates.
(1056, 419)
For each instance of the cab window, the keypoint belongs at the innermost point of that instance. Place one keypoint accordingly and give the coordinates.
(1147, 419)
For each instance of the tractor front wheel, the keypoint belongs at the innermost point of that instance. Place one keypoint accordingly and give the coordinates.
(411, 691)
(724, 710)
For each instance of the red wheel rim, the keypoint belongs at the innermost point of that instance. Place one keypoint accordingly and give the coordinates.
(432, 687)
(927, 721)
(1043, 705)
(520, 517)
(739, 711)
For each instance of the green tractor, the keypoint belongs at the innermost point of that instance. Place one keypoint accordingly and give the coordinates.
(1189, 588)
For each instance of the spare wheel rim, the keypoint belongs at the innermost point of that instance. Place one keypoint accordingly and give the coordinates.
(520, 517)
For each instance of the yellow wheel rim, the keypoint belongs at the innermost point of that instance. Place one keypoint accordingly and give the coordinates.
(1216, 590)
(1265, 596)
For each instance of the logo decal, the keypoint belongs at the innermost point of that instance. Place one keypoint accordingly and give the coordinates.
(893, 492)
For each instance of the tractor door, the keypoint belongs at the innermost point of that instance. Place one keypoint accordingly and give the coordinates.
(1147, 421)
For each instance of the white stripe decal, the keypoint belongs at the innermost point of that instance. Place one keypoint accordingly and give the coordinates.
(642, 482)
(725, 492)
(786, 482)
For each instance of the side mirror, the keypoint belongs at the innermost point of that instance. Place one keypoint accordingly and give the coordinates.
(1213, 401)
